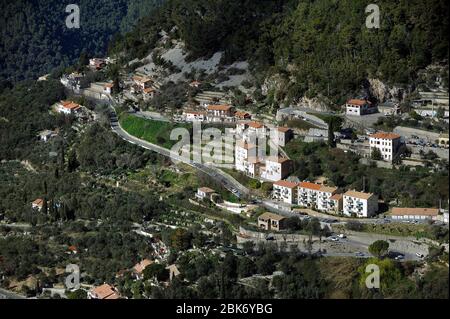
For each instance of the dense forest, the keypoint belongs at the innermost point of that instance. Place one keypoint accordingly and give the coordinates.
(317, 47)
(34, 38)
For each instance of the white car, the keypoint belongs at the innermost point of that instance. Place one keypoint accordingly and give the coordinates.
(419, 255)
(342, 236)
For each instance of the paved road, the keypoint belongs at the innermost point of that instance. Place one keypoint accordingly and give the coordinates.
(226, 180)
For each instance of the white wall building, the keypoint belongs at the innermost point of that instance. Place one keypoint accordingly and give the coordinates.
(246, 159)
(192, 116)
(285, 191)
(324, 201)
(420, 214)
(308, 194)
(360, 204)
(68, 107)
(358, 107)
(277, 168)
(387, 143)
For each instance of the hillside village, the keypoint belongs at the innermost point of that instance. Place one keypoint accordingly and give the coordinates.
(267, 188)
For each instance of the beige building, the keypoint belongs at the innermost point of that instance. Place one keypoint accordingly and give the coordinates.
(269, 221)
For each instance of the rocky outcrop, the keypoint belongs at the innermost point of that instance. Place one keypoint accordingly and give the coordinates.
(382, 92)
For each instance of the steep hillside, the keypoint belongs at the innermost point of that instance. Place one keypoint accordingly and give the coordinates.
(34, 38)
(312, 48)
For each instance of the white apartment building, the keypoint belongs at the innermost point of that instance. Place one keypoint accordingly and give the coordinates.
(277, 168)
(360, 204)
(308, 194)
(246, 159)
(358, 107)
(285, 191)
(324, 201)
(386, 143)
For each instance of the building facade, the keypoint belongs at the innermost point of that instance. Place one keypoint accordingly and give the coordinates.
(387, 143)
(285, 191)
(359, 204)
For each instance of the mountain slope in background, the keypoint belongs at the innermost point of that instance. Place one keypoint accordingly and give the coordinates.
(34, 38)
(318, 47)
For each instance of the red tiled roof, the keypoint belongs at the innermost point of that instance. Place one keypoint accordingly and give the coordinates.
(219, 107)
(139, 267)
(39, 202)
(336, 197)
(358, 102)
(359, 195)
(398, 211)
(385, 136)
(286, 184)
(284, 129)
(309, 185)
(105, 291)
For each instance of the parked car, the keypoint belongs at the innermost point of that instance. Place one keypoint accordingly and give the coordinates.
(419, 255)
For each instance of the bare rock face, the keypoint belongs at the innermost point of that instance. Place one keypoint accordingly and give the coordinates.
(273, 83)
(383, 92)
(316, 104)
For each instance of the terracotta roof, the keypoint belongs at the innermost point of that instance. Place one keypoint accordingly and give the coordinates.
(328, 189)
(359, 195)
(139, 267)
(70, 105)
(271, 216)
(358, 102)
(284, 129)
(105, 291)
(206, 190)
(39, 202)
(336, 197)
(219, 107)
(385, 136)
(109, 85)
(149, 90)
(309, 185)
(72, 248)
(255, 124)
(241, 114)
(286, 184)
(398, 211)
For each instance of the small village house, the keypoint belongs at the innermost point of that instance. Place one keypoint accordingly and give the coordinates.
(282, 135)
(269, 221)
(138, 269)
(68, 107)
(204, 193)
(38, 204)
(220, 113)
(193, 116)
(104, 291)
(359, 107)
